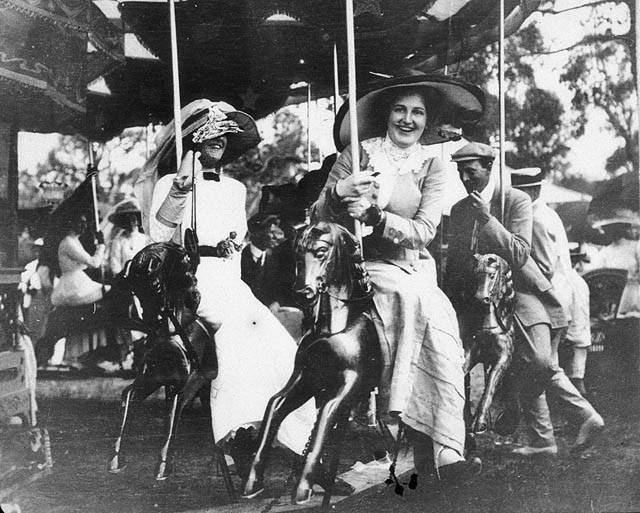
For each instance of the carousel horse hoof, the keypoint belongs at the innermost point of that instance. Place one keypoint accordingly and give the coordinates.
(253, 491)
(163, 471)
(116, 464)
(303, 496)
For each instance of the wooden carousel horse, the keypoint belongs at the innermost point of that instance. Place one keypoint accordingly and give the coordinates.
(338, 362)
(487, 331)
(179, 353)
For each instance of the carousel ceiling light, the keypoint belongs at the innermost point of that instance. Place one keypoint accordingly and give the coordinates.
(281, 18)
(410, 56)
(298, 85)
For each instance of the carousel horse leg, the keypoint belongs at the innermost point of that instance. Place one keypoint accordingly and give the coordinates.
(164, 463)
(57, 328)
(194, 382)
(291, 397)
(329, 413)
(339, 434)
(142, 387)
(116, 463)
(491, 385)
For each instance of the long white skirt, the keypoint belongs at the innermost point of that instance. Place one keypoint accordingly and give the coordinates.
(75, 288)
(255, 357)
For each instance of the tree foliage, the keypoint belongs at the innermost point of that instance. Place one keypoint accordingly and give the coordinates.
(601, 74)
(533, 115)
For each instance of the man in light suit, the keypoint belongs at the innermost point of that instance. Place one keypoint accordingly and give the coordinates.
(476, 227)
(550, 251)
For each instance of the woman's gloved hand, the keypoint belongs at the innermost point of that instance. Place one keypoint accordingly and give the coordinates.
(99, 237)
(189, 166)
(354, 185)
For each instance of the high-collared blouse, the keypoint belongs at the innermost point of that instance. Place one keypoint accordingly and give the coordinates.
(409, 188)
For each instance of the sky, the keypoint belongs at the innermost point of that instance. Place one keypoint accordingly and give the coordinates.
(587, 155)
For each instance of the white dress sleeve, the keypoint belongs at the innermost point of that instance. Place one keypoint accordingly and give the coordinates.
(158, 231)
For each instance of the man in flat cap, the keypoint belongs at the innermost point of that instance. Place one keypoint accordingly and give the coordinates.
(550, 251)
(478, 225)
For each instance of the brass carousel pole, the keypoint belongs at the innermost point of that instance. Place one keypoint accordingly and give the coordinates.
(308, 127)
(177, 120)
(501, 95)
(336, 81)
(353, 113)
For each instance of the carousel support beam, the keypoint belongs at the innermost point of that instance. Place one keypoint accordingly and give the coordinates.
(353, 112)
(9, 194)
(501, 95)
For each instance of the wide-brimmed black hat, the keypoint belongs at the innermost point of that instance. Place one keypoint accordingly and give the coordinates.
(195, 115)
(451, 103)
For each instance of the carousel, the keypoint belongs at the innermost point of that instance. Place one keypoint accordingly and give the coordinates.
(356, 49)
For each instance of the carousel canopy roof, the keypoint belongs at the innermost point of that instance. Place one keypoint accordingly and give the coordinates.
(49, 52)
(249, 52)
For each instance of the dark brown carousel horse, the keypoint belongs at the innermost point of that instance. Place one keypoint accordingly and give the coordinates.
(179, 352)
(487, 329)
(338, 362)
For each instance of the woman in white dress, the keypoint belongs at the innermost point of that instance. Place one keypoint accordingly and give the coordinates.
(255, 352)
(127, 240)
(74, 287)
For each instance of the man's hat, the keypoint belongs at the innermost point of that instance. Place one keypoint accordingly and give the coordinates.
(473, 151)
(450, 102)
(526, 177)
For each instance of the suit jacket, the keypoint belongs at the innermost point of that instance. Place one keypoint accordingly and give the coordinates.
(272, 280)
(535, 301)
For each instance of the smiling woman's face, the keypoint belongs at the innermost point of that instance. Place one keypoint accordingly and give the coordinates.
(407, 119)
(211, 151)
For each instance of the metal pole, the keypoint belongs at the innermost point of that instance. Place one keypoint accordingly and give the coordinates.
(501, 94)
(177, 120)
(353, 113)
(336, 81)
(308, 127)
(94, 187)
(637, 19)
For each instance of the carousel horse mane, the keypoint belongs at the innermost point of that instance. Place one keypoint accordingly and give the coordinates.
(161, 276)
(345, 265)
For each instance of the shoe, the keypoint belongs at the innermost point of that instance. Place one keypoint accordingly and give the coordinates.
(460, 471)
(587, 433)
(529, 450)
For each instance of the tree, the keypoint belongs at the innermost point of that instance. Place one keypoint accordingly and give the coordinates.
(534, 126)
(601, 73)
(118, 162)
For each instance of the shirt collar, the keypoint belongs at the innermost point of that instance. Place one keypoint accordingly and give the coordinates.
(256, 252)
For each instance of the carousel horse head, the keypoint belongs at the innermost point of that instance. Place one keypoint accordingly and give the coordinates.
(160, 275)
(328, 256)
(490, 280)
